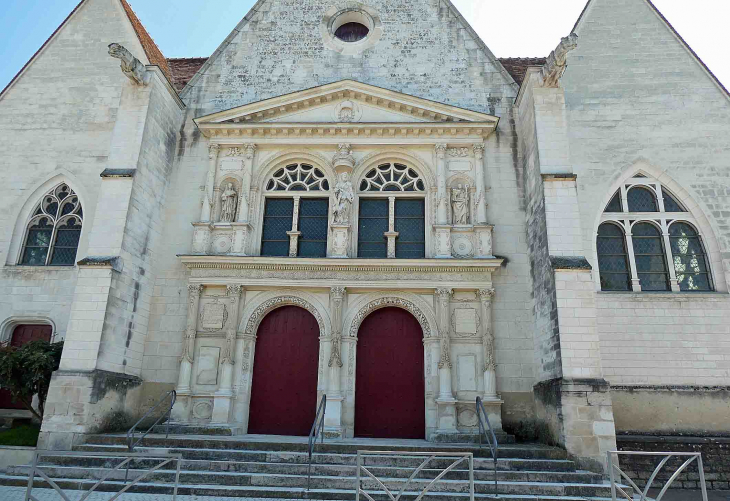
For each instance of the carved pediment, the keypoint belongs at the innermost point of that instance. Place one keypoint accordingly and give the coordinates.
(342, 105)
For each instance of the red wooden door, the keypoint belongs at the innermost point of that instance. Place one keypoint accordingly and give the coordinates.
(284, 384)
(389, 389)
(24, 334)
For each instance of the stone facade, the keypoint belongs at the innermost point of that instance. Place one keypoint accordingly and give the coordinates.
(171, 284)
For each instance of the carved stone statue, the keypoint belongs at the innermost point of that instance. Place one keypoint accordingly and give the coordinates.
(229, 202)
(344, 197)
(557, 61)
(131, 66)
(460, 205)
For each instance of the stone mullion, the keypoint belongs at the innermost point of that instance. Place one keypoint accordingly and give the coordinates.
(391, 234)
(295, 233)
(635, 283)
(668, 253)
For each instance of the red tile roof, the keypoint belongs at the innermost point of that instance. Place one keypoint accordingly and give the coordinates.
(183, 69)
(517, 66)
(154, 54)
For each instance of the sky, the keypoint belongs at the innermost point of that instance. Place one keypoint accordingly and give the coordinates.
(510, 28)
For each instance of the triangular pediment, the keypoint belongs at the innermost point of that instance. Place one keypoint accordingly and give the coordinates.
(346, 102)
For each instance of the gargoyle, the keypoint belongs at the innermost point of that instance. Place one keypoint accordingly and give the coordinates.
(556, 63)
(131, 66)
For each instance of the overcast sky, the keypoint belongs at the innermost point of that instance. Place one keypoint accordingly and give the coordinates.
(186, 28)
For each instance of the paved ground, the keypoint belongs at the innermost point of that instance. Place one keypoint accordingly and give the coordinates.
(18, 494)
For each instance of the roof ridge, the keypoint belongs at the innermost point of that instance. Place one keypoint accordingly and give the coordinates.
(153, 52)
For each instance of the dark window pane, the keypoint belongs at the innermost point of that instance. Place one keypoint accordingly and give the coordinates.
(352, 32)
(615, 204)
(651, 265)
(410, 223)
(37, 243)
(66, 244)
(278, 215)
(690, 262)
(372, 225)
(313, 216)
(670, 203)
(642, 200)
(613, 261)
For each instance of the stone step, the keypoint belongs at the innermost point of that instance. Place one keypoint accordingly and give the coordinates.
(522, 474)
(269, 492)
(343, 483)
(223, 443)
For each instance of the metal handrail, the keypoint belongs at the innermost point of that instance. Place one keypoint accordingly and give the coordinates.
(131, 444)
(317, 429)
(484, 426)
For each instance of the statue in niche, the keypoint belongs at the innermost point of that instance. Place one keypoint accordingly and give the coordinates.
(344, 197)
(460, 205)
(229, 201)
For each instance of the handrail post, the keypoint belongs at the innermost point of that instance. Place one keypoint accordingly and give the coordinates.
(131, 444)
(484, 426)
(317, 428)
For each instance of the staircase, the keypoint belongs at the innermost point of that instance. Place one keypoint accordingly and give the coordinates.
(276, 468)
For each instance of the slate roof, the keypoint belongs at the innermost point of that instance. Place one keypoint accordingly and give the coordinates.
(183, 69)
(517, 66)
(154, 54)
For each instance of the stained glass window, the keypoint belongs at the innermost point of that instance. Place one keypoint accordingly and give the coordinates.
(372, 225)
(54, 230)
(690, 262)
(651, 260)
(641, 200)
(613, 259)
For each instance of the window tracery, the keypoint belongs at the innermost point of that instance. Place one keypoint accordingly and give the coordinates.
(53, 233)
(392, 177)
(298, 177)
(647, 241)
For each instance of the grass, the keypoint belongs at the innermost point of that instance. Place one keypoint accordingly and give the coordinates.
(22, 436)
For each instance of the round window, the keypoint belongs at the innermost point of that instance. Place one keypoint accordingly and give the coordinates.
(352, 32)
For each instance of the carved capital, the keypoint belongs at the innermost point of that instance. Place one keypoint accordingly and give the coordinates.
(213, 150)
(478, 150)
(234, 290)
(344, 157)
(195, 290)
(441, 150)
(486, 295)
(444, 293)
(337, 292)
(250, 150)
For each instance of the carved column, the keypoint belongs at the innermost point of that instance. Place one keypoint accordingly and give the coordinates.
(240, 357)
(490, 366)
(391, 234)
(333, 415)
(442, 225)
(242, 228)
(446, 401)
(222, 399)
(294, 234)
(206, 213)
(180, 412)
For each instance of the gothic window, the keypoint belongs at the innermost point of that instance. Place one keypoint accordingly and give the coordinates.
(53, 233)
(298, 177)
(305, 217)
(392, 177)
(658, 252)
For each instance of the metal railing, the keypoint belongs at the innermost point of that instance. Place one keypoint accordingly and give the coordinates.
(460, 457)
(317, 430)
(486, 430)
(131, 444)
(614, 468)
(36, 470)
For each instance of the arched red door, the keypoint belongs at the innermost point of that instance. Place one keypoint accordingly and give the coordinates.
(24, 334)
(390, 387)
(284, 383)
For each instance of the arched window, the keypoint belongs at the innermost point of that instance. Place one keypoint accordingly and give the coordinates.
(690, 262)
(392, 206)
(298, 177)
(613, 260)
(667, 253)
(54, 231)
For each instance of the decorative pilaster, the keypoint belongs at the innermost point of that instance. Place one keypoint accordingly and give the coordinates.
(490, 365)
(222, 399)
(446, 401)
(391, 234)
(244, 203)
(333, 414)
(206, 213)
(481, 194)
(241, 358)
(441, 210)
(180, 411)
(295, 233)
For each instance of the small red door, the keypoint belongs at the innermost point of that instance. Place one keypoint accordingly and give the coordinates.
(390, 388)
(24, 334)
(284, 384)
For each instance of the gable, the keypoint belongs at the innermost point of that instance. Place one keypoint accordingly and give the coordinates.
(425, 48)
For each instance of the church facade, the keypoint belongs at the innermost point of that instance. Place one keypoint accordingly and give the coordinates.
(359, 200)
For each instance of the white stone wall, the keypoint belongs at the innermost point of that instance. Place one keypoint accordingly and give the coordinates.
(636, 98)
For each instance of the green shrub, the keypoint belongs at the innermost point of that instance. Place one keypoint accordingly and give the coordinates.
(22, 436)
(27, 371)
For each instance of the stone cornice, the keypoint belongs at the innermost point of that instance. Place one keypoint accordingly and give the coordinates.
(329, 264)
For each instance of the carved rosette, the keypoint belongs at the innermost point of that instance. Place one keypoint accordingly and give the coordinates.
(444, 299)
(194, 293)
(385, 302)
(337, 297)
(485, 297)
